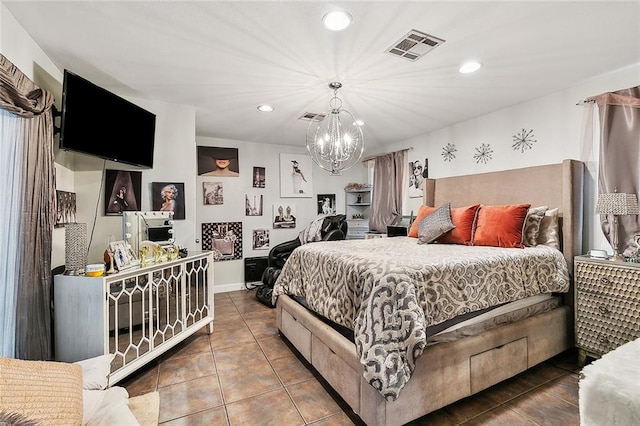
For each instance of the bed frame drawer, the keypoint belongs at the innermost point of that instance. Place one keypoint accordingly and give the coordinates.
(297, 334)
(497, 364)
(337, 372)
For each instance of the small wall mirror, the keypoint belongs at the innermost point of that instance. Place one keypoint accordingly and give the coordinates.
(154, 226)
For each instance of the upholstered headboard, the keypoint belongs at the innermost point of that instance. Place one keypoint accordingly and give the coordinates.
(554, 185)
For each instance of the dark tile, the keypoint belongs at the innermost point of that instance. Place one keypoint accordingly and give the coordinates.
(184, 398)
(251, 380)
(182, 369)
(500, 416)
(469, 407)
(544, 408)
(271, 408)
(312, 400)
(213, 417)
(262, 326)
(238, 356)
(508, 389)
(438, 417)
(340, 419)
(290, 370)
(565, 388)
(198, 343)
(142, 381)
(541, 373)
(236, 336)
(274, 347)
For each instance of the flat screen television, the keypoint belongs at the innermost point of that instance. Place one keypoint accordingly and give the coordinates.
(100, 123)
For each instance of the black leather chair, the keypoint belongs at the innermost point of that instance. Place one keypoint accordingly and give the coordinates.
(333, 228)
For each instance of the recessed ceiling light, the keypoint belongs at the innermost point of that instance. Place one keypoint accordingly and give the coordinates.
(469, 67)
(265, 108)
(336, 20)
(359, 123)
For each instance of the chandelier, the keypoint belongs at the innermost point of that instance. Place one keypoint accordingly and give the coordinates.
(335, 142)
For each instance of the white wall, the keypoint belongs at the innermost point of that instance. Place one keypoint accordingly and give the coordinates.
(557, 124)
(229, 274)
(555, 120)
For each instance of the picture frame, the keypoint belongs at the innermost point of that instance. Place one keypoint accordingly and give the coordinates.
(417, 175)
(123, 255)
(212, 193)
(253, 205)
(122, 191)
(284, 216)
(260, 239)
(168, 197)
(65, 208)
(218, 162)
(327, 204)
(296, 178)
(259, 177)
(224, 239)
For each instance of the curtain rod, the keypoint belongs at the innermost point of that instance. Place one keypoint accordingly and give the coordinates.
(585, 101)
(371, 157)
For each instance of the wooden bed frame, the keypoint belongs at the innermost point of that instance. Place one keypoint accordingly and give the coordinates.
(447, 372)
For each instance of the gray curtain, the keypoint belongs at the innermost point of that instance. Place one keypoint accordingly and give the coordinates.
(388, 184)
(619, 162)
(22, 97)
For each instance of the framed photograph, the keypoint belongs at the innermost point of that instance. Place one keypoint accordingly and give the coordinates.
(295, 176)
(65, 208)
(284, 216)
(212, 193)
(122, 191)
(417, 174)
(327, 204)
(220, 162)
(253, 205)
(259, 177)
(260, 239)
(168, 197)
(123, 255)
(224, 239)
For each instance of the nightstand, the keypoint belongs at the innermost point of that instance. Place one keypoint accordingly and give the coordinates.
(607, 311)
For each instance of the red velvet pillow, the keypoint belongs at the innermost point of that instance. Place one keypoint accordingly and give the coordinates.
(422, 212)
(500, 226)
(463, 218)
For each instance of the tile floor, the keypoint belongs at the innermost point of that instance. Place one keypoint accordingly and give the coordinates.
(244, 373)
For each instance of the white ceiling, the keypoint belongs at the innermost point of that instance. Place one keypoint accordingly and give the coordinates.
(225, 58)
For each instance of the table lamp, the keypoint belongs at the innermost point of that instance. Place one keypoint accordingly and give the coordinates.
(617, 204)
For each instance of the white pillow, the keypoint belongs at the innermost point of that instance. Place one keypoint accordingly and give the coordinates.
(95, 371)
(108, 407)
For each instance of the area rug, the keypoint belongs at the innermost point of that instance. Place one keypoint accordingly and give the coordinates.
(609, 388)
(146, 408)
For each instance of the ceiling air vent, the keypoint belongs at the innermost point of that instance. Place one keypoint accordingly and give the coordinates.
(414, 45)
(312, 116)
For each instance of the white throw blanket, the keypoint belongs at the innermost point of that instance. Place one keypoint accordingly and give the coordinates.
(610, 388)
(313, 232)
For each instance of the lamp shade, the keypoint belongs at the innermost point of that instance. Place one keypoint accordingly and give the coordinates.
(617, 203)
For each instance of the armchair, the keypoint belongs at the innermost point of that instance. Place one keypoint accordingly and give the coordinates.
(323, 228)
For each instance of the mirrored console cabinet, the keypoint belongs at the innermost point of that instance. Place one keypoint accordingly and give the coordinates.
(137, 314)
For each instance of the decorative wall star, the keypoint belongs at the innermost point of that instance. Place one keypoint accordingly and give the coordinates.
(483, 154)
(448, 152)
(523, 140)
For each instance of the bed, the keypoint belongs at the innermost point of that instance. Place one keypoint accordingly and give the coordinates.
(390, 370)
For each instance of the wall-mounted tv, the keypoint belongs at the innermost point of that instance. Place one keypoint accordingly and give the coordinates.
(100, 123)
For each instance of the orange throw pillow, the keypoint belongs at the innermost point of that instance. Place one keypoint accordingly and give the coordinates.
(500, 226)
(423, 211)
(463, 218)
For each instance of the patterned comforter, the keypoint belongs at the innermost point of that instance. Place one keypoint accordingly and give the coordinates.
(388, 290)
